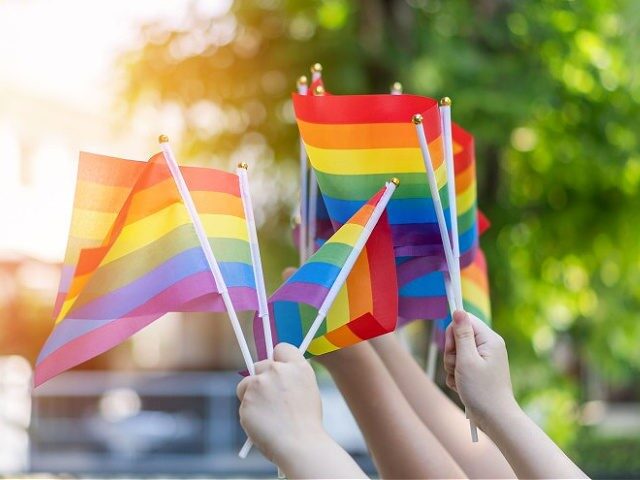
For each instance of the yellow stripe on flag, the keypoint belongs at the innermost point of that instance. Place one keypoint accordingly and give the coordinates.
(347, 234)
(338, 314)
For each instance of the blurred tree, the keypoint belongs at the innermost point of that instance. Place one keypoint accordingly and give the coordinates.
(550, 89)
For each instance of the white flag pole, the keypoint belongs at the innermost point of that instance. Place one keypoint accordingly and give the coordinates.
(396, 88)
(256, 260)
(348, 265)
(435, 196)
(263, 309)
(454, 273)
(316, 74)
(304, 182)
(445, 118)
(206, 248)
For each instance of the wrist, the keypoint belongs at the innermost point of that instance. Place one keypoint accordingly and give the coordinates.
(498, 415)
(342, 358)
(296, 448)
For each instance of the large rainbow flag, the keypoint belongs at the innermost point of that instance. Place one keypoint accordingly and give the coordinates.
(367, 304)
(355, 142)
(133, 255)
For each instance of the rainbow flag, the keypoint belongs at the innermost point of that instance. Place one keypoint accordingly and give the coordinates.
(356, 142)
(133, 255)
(367, 304)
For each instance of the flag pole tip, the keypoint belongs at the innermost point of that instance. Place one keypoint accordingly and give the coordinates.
(395, 181)
(316, 67)
(302, 80)
(417, 119)
(319, 90)
(163, 139)
(445, 102)
(243, 165)
(396, 87)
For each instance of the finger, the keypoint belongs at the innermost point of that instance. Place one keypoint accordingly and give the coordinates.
(449, 362)
(262, 366)
(451, 382)
(285, 352)
(464, 336)
(287, 272)
(241, 389)
(483, 331)
(449, 342)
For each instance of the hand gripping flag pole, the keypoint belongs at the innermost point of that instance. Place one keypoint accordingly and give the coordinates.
(454, 273)
(206, 248)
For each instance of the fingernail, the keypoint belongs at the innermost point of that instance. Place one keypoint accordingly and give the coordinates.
(459, 316)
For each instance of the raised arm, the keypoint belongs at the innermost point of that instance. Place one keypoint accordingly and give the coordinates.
(441, 415)
(400, 444)
(478, 369)
(281, 412)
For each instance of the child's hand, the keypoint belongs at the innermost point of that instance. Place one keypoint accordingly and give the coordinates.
(477, 366)
(280, 405)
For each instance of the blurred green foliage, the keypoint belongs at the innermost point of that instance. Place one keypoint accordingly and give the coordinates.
(549, 88)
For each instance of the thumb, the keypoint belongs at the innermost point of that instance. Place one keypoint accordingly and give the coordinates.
(464, 336)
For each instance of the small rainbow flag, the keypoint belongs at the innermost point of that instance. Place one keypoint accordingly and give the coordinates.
(133, 255)
(367, 304)
(355, 142)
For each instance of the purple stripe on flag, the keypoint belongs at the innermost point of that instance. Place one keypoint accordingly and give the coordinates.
(416, 267)
(242, 298)
(65, 277)
(428, 308)
(88, 346)
(146, 288)
(67, 330)
(301, 292)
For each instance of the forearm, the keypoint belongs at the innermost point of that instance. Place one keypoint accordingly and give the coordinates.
(441, 415)
(530, 452)
(401, 446)
(318, 457)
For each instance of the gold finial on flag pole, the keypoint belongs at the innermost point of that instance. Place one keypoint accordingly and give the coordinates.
(395, 181)
(163, 139)
(319, 90)
(417, 119)
(445, 102)
(396, 87)
(316, 67)
(302, 80)
(243, 165)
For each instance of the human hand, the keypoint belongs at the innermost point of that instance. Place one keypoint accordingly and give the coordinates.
(477, 367)
(280, 405)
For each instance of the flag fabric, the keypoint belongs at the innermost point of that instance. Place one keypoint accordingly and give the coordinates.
(467, 213)
(355, 142)
(421, 280)
(367, 304)
(475, 295)
(133, 255)
(424, 297)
